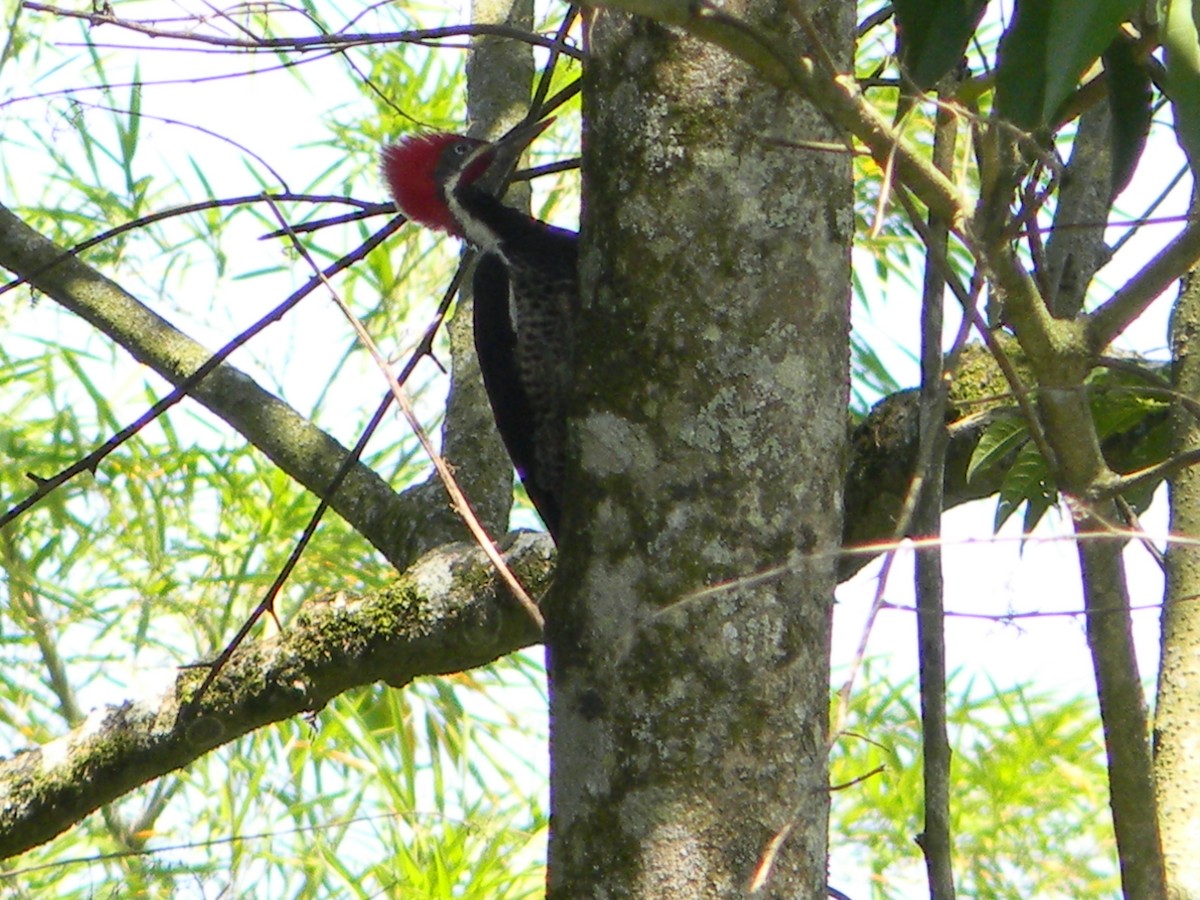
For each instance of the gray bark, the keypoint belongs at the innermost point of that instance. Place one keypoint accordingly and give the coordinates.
(688, 700)
(885, 446)
(1076, 249)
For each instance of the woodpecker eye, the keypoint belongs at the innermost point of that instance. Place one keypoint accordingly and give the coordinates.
(462, 148)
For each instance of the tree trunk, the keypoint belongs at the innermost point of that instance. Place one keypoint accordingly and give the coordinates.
(1176, 728)
(689, 695)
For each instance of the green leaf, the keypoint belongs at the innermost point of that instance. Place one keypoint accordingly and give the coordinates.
(127, 135)
(1021, 75)
(1000, 439)
(1130, 99)
(1027, 481)
(1119, 411)
(932, 36)
(1014, 748)
(1046, 50)
(1035, 508)
(1182, 46)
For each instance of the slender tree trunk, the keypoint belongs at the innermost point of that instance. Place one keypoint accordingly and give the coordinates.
(1122, 706)
(1177, 718)
(689, 696)
(936, 839)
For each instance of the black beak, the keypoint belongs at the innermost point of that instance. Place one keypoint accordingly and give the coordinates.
(504, 151)
(518, 138)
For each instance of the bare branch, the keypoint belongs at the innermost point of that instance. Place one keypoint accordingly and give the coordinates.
(1150, 475)
(365, 209)
(427, 36)
(935, 840)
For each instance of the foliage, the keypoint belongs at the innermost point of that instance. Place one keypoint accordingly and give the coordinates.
(117, 578)
(1030, 811)
(1124, 411)
(151, 562)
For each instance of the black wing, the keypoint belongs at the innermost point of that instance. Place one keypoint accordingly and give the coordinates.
(512, 406)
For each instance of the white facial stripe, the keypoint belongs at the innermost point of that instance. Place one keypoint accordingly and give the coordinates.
(473, 230)
(479, 234)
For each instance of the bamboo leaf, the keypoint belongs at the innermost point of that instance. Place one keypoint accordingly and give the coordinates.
(1000, 439)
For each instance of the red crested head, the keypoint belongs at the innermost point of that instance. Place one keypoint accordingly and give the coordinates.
(418, 169)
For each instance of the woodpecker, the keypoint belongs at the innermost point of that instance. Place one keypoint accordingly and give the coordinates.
(525, 287)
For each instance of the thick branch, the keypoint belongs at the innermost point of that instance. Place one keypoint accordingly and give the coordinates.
(445, 615)
(1056, 348)
(427, 623)
(1114, 315)
(1076, 249)
(883, 454)
(1177, 710)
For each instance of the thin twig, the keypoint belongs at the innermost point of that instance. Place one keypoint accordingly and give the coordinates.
(1146, 218)
(267, 604)
(162, 82)
(461, 504)
(424, 348)
(1131, 481)
(365, 209)
(935, 839)
(1132, 521)
(426, 36)
(90, 462)
(560, 44)
(970, 310)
